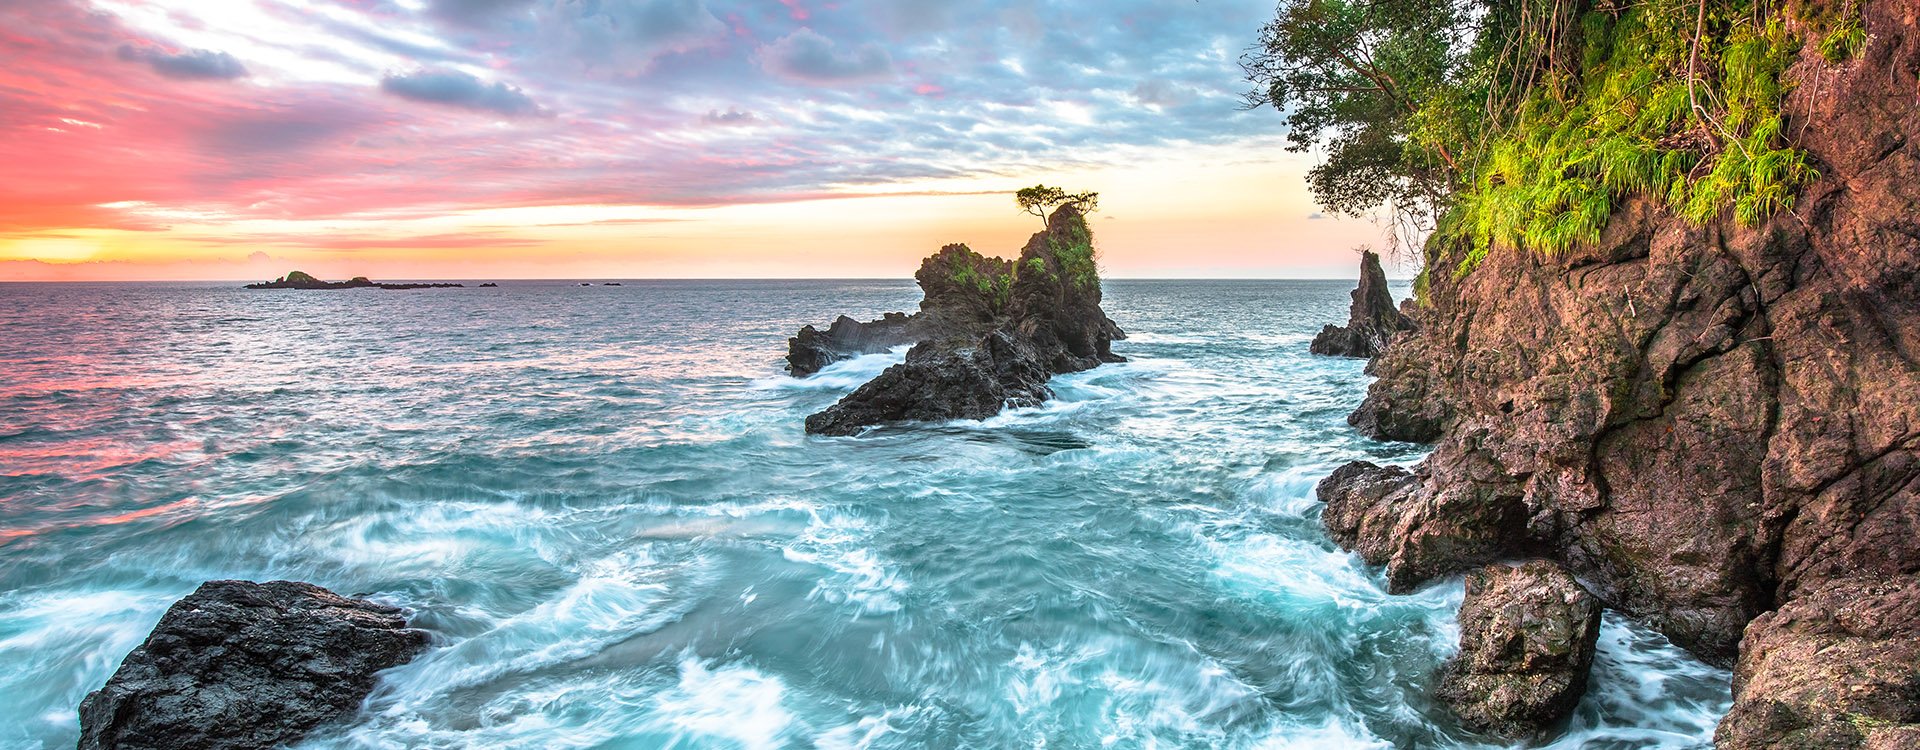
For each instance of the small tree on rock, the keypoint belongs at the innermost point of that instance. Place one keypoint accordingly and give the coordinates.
(1040, 200)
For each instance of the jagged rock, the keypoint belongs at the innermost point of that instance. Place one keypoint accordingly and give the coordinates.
(1708, 423)
(238, 664)
(1834, 669)
(940, 382)
(1385, 514)
(1527, 638)
(812, 349)
(1372, 320)
(963, 294)
(991, 333)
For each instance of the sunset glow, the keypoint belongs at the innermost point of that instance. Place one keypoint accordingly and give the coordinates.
(633, 138)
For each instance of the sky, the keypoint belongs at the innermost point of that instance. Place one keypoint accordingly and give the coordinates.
(475, 139)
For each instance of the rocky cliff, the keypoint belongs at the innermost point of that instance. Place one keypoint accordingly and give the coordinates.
(989, 333)
(1716, 427)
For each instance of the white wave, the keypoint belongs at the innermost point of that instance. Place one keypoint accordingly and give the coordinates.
(858, 576)
(844, 375)
(729, 702)
(59, 645)
(614, 599)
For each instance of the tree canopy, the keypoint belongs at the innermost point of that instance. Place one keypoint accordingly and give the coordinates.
(1523, 122)
(1039, 200)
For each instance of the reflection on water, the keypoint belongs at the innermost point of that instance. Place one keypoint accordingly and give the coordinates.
(601, 502)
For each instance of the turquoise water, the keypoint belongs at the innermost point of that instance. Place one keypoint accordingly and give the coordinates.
(601, 503)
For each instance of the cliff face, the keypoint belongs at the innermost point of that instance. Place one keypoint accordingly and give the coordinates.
(1704, 423)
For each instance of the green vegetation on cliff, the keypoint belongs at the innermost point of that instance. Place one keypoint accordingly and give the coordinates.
(1523, 123)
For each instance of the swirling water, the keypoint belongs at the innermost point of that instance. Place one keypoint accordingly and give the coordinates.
(600, 502)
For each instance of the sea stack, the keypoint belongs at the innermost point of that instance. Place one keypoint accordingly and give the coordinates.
(1372, 319)
(989, 333)
(238, 665)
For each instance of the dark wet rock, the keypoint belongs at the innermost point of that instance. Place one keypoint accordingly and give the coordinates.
(489, 285)
(238, 664)
(302, 280)
(963, 295)
(989, 334)
(1527, 637)
(972, 380)
(1372, 320)
(1715, 427)
(812, 349)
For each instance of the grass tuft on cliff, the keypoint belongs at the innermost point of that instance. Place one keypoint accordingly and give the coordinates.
(1524, 123)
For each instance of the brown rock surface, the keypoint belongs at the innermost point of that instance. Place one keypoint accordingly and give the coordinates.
(1707, 424)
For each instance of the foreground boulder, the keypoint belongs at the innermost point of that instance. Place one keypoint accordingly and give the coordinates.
(1372, 319)
(990, 333)
(238, 664)
(1527, 637)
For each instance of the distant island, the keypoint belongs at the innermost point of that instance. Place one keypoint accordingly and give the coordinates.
(304, 280)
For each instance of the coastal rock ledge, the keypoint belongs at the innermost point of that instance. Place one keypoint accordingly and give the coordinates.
(1715, 427)
(989, 334)
(238, 665)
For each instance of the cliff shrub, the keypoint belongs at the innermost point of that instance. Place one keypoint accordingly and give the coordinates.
(1523, 123)
(1073, 254)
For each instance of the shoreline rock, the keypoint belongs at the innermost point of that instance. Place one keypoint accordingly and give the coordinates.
(1373, 321)
(1527, 641)
(989, 333)
(238, 664)
(1715, 427)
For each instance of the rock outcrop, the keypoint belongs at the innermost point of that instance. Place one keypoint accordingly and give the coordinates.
(303, 280)
(239, 665)
(1372, 321)
(1833, 669)
(1527, 637)
(1716, 427)
(989, 333)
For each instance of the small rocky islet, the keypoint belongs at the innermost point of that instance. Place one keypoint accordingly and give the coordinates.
(303, 280)
(989, 333)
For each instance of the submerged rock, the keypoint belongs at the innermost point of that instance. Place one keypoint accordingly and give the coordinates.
(238, 664)
(1527, 637)
(1372, 320)
(989, 333)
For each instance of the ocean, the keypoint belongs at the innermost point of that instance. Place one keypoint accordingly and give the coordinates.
(601, 503)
